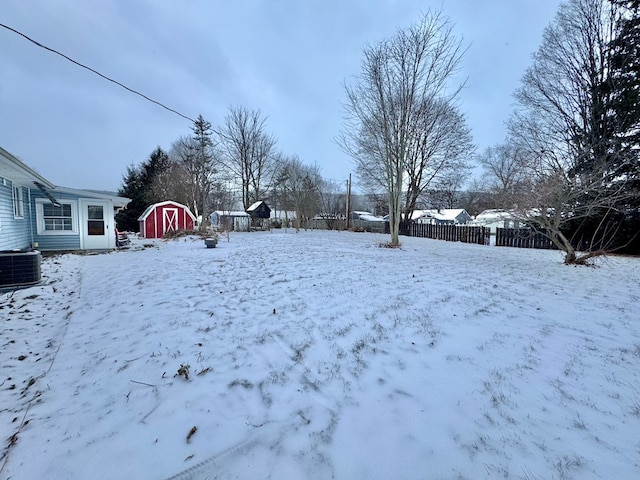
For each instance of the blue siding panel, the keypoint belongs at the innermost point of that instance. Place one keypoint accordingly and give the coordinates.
(58, 241)
(15, 233)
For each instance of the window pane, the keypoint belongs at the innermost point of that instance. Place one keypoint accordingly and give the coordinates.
(51, 210)
(57, 218)
(95, 212)
(18, 202)
(95, 227)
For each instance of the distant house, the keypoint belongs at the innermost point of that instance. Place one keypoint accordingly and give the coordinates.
(163, 217)
(496, 218)
(367, 221)
(230, 220)
(364, 216)
(445, 216)
(330, 221)
(259, 213)
(259, 209)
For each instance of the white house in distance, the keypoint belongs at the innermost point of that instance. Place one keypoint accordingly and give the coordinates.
(496, 218)
(444, 216)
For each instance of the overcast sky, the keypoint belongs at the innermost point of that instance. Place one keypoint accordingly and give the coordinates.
(287, 58)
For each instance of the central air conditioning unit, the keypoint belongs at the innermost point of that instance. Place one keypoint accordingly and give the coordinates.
(19, 268)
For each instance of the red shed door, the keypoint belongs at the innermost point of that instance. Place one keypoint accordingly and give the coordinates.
(170, 219)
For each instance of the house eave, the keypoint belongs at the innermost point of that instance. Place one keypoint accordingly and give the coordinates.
(118, 202)
(18, 172)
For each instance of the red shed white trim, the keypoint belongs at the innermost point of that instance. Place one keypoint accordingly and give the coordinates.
(164, 217)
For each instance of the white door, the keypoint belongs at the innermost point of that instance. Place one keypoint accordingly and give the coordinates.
(96, 229)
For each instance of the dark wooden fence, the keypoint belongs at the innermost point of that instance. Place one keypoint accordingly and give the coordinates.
(505, 237)
(522, 238)
(451, 233)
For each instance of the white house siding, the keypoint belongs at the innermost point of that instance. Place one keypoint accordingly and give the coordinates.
(15, 233)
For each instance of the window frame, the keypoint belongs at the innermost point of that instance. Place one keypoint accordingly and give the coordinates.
(18, 201)
(40, 218)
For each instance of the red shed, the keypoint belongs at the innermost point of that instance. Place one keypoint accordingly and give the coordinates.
(164, 217)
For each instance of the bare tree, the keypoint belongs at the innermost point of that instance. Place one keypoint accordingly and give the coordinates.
(332, 199)
(476, 198)
(299, 185)
(505, 172)
(558, 199)
(191, 176)
(438, 153)
(187, 174)
(248, 152)
(401, 78)
(379, 203)
(563, 126)
(449, 183)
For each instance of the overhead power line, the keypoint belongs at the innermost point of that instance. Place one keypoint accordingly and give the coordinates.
(95, 71)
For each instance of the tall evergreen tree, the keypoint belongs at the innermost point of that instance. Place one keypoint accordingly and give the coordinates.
(624, 83)
(138, 186)
(203, 161)
(625, 115)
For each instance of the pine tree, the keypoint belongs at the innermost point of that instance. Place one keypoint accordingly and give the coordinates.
(624, 83)
(137, 186)
(625, 113)
(203, 161)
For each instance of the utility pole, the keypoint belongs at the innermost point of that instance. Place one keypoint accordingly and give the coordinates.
(348, 201)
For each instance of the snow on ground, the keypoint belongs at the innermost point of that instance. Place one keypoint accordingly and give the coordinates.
(319, 355)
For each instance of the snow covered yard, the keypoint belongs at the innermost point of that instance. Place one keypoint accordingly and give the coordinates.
(318, 355)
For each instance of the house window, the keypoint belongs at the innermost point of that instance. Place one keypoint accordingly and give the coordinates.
(18, 202)
(57, 218)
